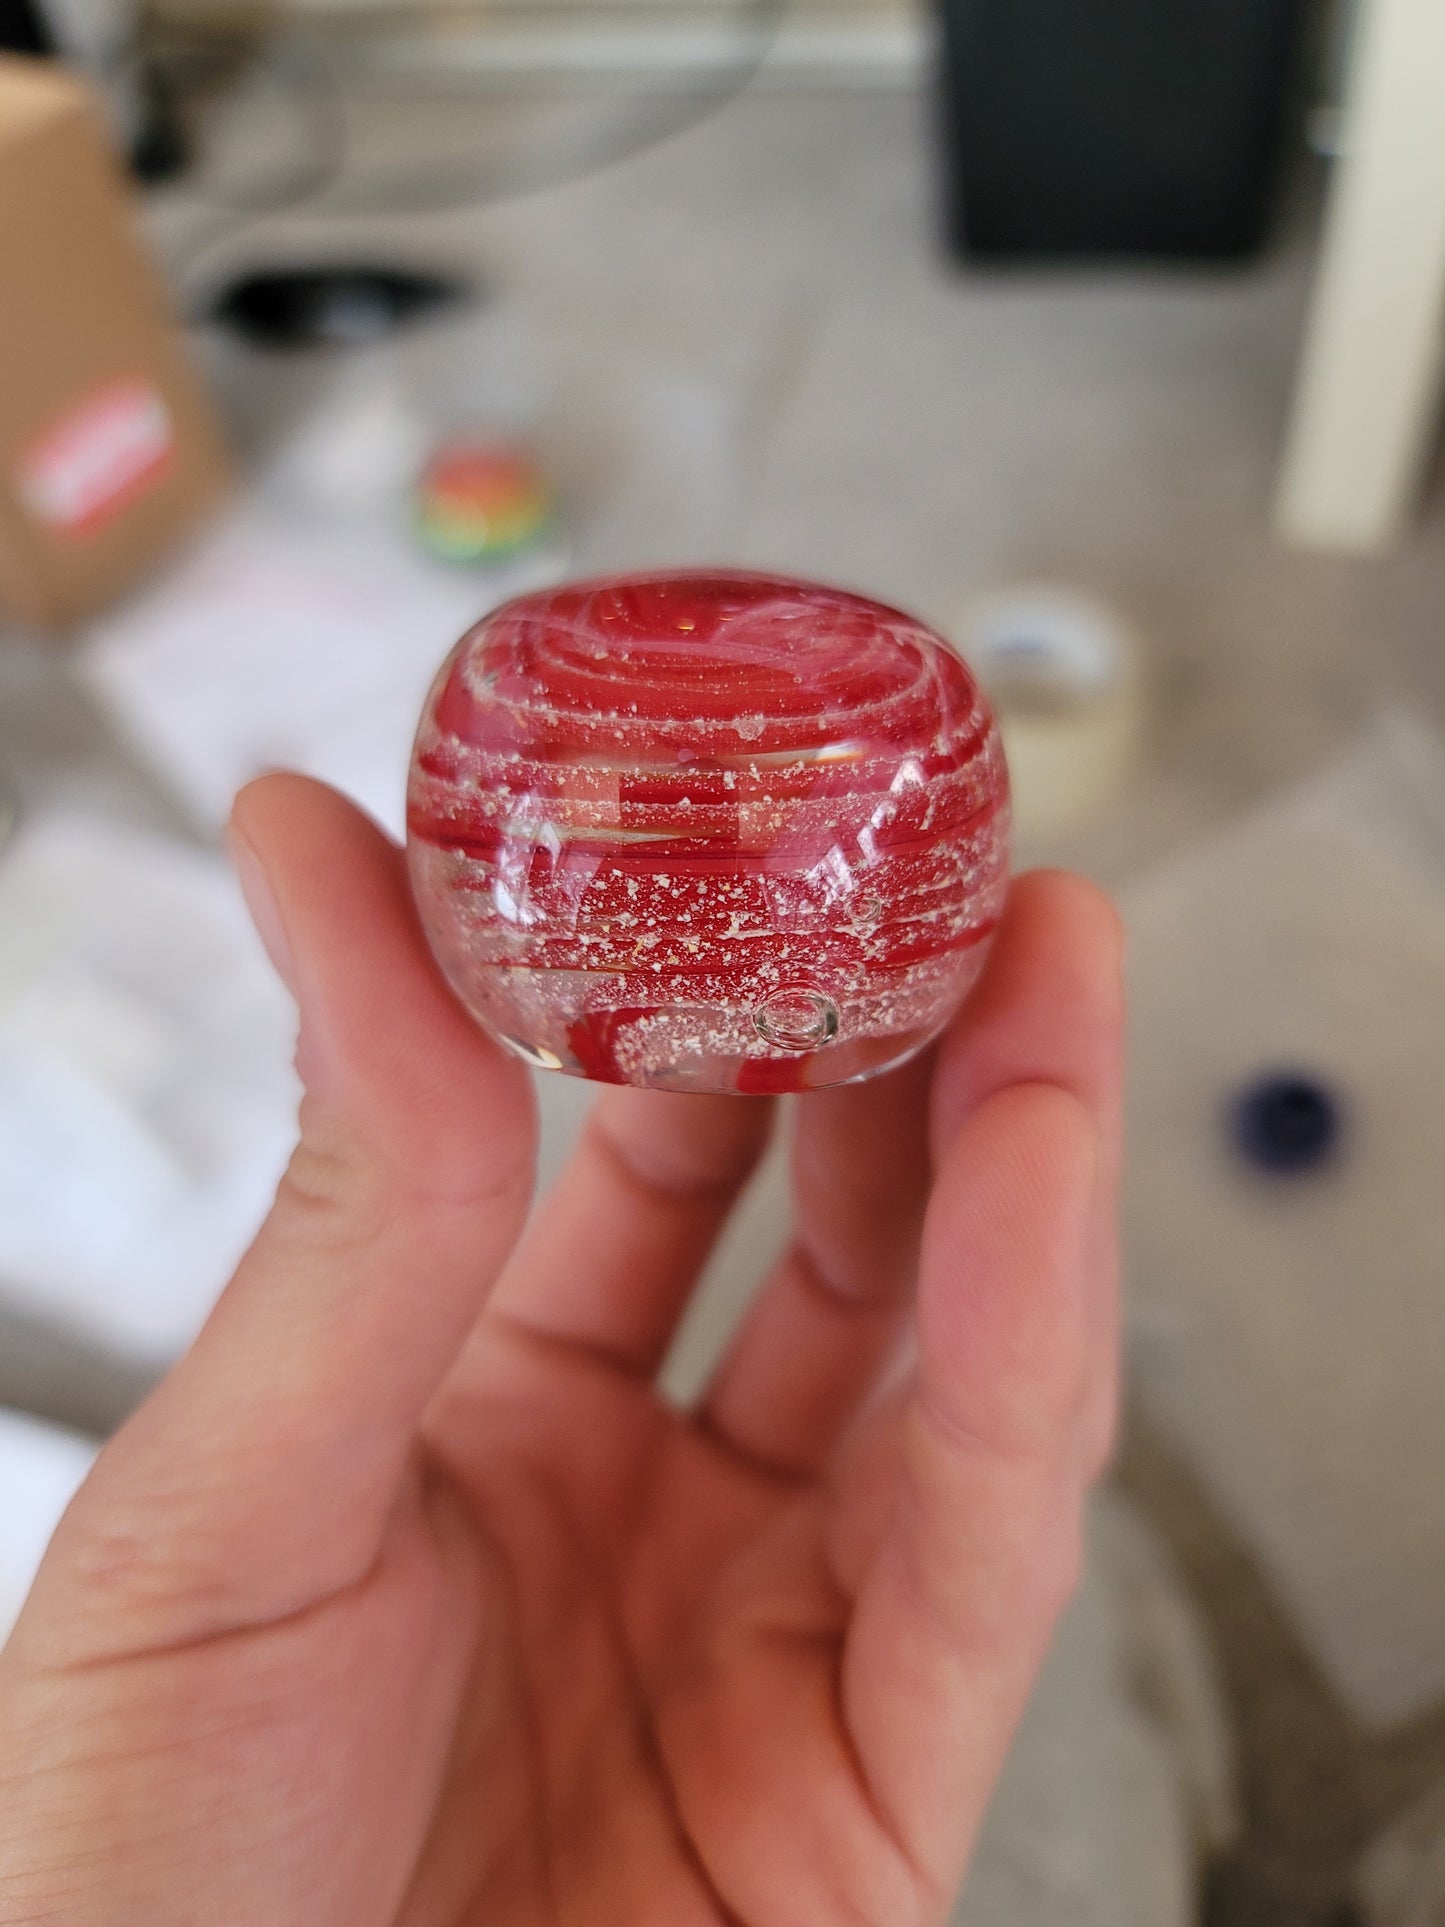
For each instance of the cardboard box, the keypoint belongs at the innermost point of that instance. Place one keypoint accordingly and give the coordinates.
(109, 448)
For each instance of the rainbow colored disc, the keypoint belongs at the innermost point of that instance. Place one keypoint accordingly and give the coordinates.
(481, 502)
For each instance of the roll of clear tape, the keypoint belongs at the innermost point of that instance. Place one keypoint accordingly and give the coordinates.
(1065, 675)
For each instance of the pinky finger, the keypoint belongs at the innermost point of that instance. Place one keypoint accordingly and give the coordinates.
(980, 1548)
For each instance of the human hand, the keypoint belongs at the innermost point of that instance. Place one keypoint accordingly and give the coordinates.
(405, 1601)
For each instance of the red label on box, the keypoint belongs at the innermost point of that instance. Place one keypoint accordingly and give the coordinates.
(97, 457)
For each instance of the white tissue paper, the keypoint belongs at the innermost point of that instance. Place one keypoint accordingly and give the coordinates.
(277, 647)
(147, 1099)
(40, 1468)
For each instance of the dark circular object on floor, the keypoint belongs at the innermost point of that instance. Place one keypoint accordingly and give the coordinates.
(335, 306)
(1287, 1123)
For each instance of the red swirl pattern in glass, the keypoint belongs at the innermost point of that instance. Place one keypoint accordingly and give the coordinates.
(708, 832)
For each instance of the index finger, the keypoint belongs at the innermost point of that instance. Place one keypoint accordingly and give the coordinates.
(262, 1472)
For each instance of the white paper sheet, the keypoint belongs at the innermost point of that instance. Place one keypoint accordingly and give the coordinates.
(40, 1468)
(274, 647)
(147, 1101)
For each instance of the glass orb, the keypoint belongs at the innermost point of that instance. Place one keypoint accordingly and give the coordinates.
(708, 831)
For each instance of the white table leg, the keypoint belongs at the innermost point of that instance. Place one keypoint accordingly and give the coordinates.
(1370, 377)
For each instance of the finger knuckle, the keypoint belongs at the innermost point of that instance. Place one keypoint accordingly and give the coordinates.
(330, 1196)
(126, 1559)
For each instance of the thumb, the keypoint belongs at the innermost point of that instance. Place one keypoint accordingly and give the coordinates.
(260, 1475)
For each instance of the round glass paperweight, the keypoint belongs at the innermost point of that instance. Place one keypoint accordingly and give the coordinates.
(708, 831)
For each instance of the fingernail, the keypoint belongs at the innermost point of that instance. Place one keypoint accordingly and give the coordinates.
(261, 902)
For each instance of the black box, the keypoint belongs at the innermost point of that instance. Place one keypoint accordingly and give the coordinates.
(1114, 127)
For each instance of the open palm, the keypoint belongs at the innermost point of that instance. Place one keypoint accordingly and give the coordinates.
(405, 1599)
